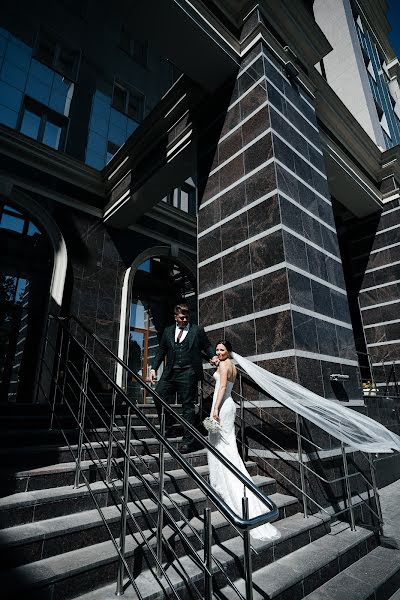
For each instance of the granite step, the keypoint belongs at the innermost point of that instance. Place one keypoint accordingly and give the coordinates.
(27, 507)
(375, 576)
(82, 570)
(63, 473)
(36, 541)
(277, 575)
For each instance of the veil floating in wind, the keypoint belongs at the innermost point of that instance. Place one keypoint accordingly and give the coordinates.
(349, 426)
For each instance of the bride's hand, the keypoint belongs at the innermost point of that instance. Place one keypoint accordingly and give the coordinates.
(216, 416)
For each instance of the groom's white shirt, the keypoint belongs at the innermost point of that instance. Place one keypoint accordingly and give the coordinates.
(185, 331)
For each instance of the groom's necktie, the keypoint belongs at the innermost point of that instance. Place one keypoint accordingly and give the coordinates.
(180, 334)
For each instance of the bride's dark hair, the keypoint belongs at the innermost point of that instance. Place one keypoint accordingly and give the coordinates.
(225, 343)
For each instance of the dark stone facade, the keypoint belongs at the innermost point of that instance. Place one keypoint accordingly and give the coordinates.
(270, 272)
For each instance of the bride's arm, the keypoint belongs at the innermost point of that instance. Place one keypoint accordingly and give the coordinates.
(223, 377)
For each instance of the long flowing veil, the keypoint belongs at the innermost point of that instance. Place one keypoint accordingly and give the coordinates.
(349, 426)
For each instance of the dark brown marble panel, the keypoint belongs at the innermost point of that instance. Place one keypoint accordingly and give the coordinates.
(284, 366)
(267, 251)
(210, 276)
(230, 145)
(236, 264)
(242, 338)
(252, 100)
(232, 200)
(210, 244)
(274, 333)
(209, 215)
(305, 332)
(258, 153)
(310, 374)
(270, 290)
(260, 183)
(232, 119)
(211, 309)
(255, 125)
(263, 216)
(238, 300)
(231, 172)
(234, 231)
(212, 187)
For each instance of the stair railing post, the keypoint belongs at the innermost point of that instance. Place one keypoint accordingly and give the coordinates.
(201, 401)
(348, 488)
(81, 418)
(248, 569)
(242, 423)
(53, 403)
(111, 431)
(160, 515)
(208, 584)
(64, 377)
(376, 492)
(301, 464)
(124, 504)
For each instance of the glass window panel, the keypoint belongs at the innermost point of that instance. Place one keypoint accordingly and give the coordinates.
(109, 156)
(11, 222)
(10, 96)
(97, 143)
(118, 119)
(52, 135)
(21, 286)
(11, 209)
(13, 76)
(94, 160)
(99, 125)
(136, 344)
(4, 33)
(145, 266)
(111, 150)
(131, 126)
(59, 103)
(116, 135)
(8, 117)
(139, 53)
(38, 90)
(32, 229)
(19, 55)
(137, 316)
(3, 45)
(30, 124)
(102, 97)
(184, 201)
(119, 97)
(41, 72)
(61, 84)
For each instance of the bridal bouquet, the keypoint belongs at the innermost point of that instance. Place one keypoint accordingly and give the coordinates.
(211, 425)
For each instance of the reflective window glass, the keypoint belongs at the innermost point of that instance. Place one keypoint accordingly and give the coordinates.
(97, 143)
(94, 160)
(131, 126)
(138, 316)
(52, 135)
(3, 45)
(19, 55)
(30, 124)
(135, 106)
(99, 125)
(10, 96)
(59, 103)
(13, 75)
(38, 90)
(111, 150)
(11, 222)
(145, 266)
(116, 135)
(11, 209)
(8, 117)
(45, 48)
(66, 61)
(41, 72)
(20, 290)
(32, 229)
(118, 119)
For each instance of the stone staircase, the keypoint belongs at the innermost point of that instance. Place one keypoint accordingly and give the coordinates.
(56, 546)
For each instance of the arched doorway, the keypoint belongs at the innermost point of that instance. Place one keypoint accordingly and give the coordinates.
(26, 267)
(157, 284)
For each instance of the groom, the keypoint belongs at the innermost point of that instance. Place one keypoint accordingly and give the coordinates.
(182, 344)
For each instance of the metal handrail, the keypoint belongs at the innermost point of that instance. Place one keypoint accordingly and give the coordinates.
(302, 466)
(216, 499)
(242, 522)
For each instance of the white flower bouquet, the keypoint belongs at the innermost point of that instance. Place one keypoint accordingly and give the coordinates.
(211, 425)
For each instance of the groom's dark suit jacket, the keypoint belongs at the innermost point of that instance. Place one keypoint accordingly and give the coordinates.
(198, 342)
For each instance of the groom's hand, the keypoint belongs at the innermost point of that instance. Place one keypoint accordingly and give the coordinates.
(152, 377)
(214, 361)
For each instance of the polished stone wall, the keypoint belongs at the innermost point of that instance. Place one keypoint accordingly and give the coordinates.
(380, 296)
(270, 272)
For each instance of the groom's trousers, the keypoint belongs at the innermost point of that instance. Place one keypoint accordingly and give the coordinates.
(184, 382)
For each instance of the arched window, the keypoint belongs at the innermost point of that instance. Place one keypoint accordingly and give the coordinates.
(25, 272)
(158, 284)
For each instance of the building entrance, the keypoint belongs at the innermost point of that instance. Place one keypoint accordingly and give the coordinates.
(159, 283)
(25, 272)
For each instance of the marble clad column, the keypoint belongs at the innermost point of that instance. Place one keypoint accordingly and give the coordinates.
(380, 296)
(270, 273)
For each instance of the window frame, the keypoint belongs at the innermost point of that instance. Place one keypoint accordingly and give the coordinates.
(58, 46)
(129, 90)
(44, 112)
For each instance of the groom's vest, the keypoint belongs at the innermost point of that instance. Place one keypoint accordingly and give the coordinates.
(181, 355)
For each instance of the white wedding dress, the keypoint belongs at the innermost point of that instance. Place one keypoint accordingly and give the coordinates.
(222, 480)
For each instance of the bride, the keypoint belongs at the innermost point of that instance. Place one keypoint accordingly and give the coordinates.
(224, 482)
